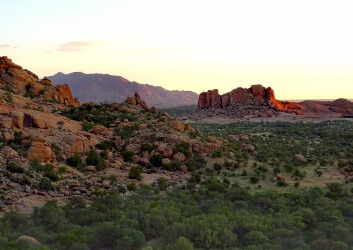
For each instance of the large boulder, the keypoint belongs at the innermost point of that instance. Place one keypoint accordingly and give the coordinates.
(177, 125)
(29, 241)
(40, 150)
(299, 158)
(5, 122)
(179, 157)
(17, 118)
(165, 150)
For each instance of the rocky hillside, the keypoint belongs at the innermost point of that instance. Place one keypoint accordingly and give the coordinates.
(245, 101)
(258, 101)
(52, 148)
(23, 82)
(107, 88)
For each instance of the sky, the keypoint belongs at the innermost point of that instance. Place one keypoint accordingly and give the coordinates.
(302, 49)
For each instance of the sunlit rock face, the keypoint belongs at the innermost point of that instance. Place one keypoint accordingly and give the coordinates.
(256, 95)
(24, 82)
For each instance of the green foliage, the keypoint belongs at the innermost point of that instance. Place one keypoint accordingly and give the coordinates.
(93, 158)
(127, 155)
(216, 154)
(254, 179)
(74, 161)
(46, 184)
(55, 148)
(88, 125)
(14, 168)
(92, 116)
(8, 97)
(105, 145)
(135, 173)
(217, 167)
(148, 148)
(182, 148)
(196, 162)
(162, 184)
(156, 160)
(131, 186)
(126, 131)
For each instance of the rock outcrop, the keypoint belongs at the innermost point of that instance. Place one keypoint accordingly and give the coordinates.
(256, 95)
(24, 82)
(136, 101)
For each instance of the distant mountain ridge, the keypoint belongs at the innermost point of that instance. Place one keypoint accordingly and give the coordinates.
(108, 88)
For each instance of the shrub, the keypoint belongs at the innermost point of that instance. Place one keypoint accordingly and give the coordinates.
(56, 150)
(127, 155)
(156, 160)
(52, 175)
(135, 173)
(93, 158)
(131, 187)
(162, 184)
(8, 97)
(148, 148)
(126, 132)
(74, 161)
(105, 145)
(14, 168)
(254, 179)
(87, 126)
(282, 183)
(46, 184)
(195, 162)
(182, 148)
(217, 167)
(216, 154)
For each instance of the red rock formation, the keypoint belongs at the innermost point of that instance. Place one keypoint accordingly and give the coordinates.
(22, 81)
(136, 101)
(255, 95)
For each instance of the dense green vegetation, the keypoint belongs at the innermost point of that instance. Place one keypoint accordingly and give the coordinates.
(213, 215)
(179, 111)
(327, 147)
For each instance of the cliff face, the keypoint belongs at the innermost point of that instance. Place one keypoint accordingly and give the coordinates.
(256, 95)
(24, 82)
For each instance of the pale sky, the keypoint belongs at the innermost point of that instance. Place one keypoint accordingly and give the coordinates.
(302, 49)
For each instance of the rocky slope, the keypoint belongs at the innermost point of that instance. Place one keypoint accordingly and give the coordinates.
(50, 149)
(258, 101)
(107, 88)
(23, 82)
(243, 101)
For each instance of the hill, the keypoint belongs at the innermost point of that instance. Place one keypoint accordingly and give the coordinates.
(100, 88)
(125, 176)
(258, 103)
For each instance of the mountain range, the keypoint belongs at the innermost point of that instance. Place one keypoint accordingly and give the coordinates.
(100, 88)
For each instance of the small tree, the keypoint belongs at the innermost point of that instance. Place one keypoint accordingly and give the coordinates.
(135, 173)
(60, 124)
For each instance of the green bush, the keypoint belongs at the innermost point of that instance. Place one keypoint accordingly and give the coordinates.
(14, 168)
(74, 161)
(105, 145)
(254, 179)
(217, 167)
(88, 125)
(162, 184)
(93, 158)
(46, 184)
(127, 155)
(182, 148)
(131, 186)
(135, 173)
(156, 160)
